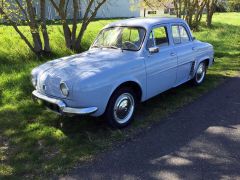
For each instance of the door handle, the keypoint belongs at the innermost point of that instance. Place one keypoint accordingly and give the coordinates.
(194, 48)
(173, 54)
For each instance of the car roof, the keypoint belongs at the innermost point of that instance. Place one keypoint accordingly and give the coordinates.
(145, 22)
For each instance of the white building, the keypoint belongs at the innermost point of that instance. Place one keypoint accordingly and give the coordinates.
(118, 8)
(111, 9)
(158, 10)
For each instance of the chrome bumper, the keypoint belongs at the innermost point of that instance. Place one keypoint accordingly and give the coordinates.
(62, 106)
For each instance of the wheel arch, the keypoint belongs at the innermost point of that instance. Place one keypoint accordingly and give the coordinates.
(207, 60)
(204, 59)
(135, 86)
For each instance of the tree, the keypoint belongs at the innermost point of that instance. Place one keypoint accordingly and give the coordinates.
(233, 5)
(15, 11)
(198, 13)
(190, 10)
(44, 26)
(210, 7)
(73, 38)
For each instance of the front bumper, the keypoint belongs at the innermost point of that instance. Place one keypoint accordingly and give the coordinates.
(60, 106)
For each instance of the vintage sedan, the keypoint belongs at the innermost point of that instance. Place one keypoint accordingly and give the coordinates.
(129, 62)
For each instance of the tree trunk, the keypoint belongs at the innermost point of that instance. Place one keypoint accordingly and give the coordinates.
(80, 36)
(209, 20)
(74, 26)
(210, 11)
(198, 14)
(47, 48)
(62, 11)
(66, 29)
(34, 28)
(180, 9)
(176, 7)
(67, 34)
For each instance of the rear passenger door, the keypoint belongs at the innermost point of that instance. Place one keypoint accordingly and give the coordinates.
(183, 46)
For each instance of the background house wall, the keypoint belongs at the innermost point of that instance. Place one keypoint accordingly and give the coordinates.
(111, 9)
(160, 10)
(118, 8)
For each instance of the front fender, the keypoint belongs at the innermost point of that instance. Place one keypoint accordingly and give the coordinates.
(121, 81)
(205, 51)
(97, 90)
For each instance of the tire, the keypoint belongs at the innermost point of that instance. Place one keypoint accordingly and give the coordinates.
(121, 108)
(200, 74)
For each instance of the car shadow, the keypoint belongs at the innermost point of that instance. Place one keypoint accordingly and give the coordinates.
(153, 110)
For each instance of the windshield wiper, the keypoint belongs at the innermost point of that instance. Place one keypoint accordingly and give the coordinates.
(96, 46)
(113, 47)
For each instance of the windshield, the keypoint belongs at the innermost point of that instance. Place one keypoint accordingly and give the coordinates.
(127, 38)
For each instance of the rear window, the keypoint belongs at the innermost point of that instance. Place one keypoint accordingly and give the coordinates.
(180, 34)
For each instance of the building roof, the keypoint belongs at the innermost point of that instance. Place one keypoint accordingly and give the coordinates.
(145, 22)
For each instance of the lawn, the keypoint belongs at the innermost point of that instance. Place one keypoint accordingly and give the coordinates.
(37, 143)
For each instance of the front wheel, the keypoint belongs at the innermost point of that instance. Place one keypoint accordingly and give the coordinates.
(200, 74)
(121, 108)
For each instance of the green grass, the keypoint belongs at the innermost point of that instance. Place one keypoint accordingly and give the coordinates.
(37, 143)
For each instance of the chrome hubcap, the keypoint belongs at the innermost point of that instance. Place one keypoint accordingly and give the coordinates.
(124, 108)
(200, 73)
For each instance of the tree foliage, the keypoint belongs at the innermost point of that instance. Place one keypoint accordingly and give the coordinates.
(190, 10)
(233, 5)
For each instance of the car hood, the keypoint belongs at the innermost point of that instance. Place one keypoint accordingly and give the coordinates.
(83, 65)
(77, 67)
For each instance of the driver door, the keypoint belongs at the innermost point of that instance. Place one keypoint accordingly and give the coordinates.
(161, 65)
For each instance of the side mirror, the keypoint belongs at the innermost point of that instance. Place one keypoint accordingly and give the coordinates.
(193, 38)
(153, 50)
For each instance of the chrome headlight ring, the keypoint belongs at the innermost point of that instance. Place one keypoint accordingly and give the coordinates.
(64, 89)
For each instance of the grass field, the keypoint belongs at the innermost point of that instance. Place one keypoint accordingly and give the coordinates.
(38, 143)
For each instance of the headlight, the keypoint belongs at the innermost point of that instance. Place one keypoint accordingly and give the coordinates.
(34, 81)
(64, 89)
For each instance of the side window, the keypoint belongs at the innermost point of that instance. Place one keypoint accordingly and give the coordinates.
(158, 37)
(183, 34)
(161, 37)
(176, 35)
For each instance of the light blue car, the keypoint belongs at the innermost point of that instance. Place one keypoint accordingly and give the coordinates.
(129, 62)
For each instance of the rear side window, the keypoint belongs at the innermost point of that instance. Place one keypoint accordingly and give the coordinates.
(180, 34)
(183, 34)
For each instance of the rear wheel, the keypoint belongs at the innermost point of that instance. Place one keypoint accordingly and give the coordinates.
(200, 74)
(121, 108)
